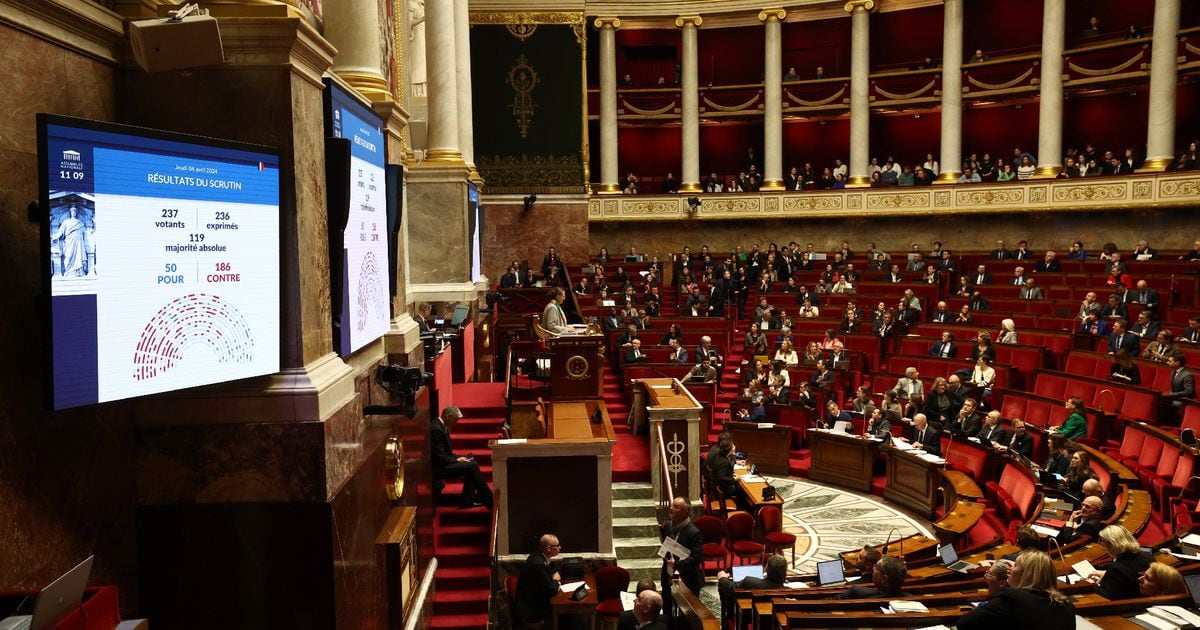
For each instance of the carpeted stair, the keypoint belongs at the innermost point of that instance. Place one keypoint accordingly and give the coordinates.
(461, 537)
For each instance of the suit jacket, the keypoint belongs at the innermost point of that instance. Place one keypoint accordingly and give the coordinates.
(1022, 254)
(881, 430)
(680, 355)
(1120, 579)
(931, 442)
(1147, 298)
(535, 588)
(628, 621)
(441, 454)
(1128, 341)
(552, 318)
(966, 426)
(722, 473)
(634, 356)
(993, 433)
(1001, 254)
(1031, 293)
(1017, 280)
(941, 317)
(690, 570)
(510, 280)
(1090, 528)
(1183, 384)
(938, 347)
(977, 278)
(1098, 327)
(1021, 444)
(1019, 608)
(1048, 267)
(1149, 331)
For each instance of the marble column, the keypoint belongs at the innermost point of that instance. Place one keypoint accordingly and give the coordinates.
(1160, 133)
(1050, 108)
(860, 106)
(773, 95)
(442, 65)
(462, 67)
(609, 173)
(952, 58)
(690, 105)
(353, 27)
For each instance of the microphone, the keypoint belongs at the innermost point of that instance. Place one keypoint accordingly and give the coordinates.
(1057, 546)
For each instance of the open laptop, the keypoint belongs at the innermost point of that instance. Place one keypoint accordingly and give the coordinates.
(1192, 580)
(742, 572)
(55, 601)
(950, 559)
(831, 572)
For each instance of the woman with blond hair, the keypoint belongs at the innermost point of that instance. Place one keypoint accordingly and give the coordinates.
(1161, 579)
(1030, 601)
(786, 354)
(1119, 580)
(1008, 331)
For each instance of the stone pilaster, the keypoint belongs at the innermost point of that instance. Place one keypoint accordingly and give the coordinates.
(773, 95)
(690, 104)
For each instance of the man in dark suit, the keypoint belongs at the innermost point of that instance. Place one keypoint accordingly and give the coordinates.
(773, 577)
(424, 313)
(690, 569)
(967, 422)
(679, 354)
(634, 353)
(991, 431)
(1183, 384)
(1122, 339)
(1145, 327)
(1093, 488)
(644, 615)
(833, 415)
(889, 574)
(538, 583)
(945, 347)
(1048, 264)
(512, 277)
(925, 437)
(1085, 521)
(805, 294)
(1020, 442)
(894, 275)
(941, 314)
(1022, 252)
(1145, 296)
(1000, 253)
(612, 321)
(981, 276)
(716, 300)
(719, 462)
(447, 465)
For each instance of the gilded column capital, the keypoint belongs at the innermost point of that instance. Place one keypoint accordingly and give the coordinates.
(611, 21)
(859, 5)
(689, 20)
(773, 14)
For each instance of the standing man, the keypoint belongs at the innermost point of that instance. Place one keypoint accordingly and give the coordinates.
(1183, 384)
(424, 311)
(447, 465)
(680, 529)
(538, 583)
(553, 317)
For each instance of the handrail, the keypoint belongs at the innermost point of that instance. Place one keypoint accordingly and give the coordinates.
(662, 459)
(418, 601)
(496, 503)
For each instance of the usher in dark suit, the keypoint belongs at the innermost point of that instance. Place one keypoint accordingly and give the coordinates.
(535, 588)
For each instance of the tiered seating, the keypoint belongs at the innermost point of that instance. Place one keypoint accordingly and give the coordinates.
(1162, 464)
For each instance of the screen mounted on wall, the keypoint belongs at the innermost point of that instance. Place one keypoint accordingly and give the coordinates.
(160, 257)
(364, 309)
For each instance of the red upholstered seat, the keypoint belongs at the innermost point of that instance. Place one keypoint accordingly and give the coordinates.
(713, 531)
(1191, 418)
(610, 582)
(740, 526)
(1050, 385)
(772, 526)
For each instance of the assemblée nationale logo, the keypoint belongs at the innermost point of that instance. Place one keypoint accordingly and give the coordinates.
(71, 159)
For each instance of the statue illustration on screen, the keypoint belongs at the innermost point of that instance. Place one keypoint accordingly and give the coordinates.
(70, 242)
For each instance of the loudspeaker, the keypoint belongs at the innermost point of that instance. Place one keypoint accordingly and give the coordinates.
(164, 44)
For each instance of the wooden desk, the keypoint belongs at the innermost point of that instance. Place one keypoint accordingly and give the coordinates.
(912, 481)
(753, 491)
(958, 520)
(562, 604)
(841, 459)
(573, 419)
(768, 448)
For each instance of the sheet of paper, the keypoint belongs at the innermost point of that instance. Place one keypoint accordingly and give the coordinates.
(795, 584)
(1181, 612)
(1083, 568)
(753, 479)
(1191, 539)
(905, 606)
(1045, 531)
(671, 546)
(627, 600)
(512, 441)
(1155, 622)
(571, 586)
(766, 425)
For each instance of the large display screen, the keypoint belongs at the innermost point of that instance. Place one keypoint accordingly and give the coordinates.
(365, 313)
(161, 260)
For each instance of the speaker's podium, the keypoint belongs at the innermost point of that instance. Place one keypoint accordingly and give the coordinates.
(674, 417)
(554, 476)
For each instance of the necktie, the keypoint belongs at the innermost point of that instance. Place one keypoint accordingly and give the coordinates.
(1119, 339)
(979, 280)
(920, 437)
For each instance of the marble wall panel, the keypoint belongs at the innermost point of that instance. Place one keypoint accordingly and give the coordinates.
(1164, 229)
(66, 478)
(510, 233)
(359, 510)
(438, 250)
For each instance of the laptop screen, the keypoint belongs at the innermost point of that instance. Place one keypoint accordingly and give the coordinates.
(948, 555)
(742, 572)
(830, 572)
(1193, 585)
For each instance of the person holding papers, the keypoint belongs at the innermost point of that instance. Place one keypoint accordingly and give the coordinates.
(774, 577)
(538, 583)
(1030, 601)
(1120, 579)
(553, 317)
(833, 415)
(682, 550)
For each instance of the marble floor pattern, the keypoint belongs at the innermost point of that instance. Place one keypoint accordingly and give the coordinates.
(828, 520)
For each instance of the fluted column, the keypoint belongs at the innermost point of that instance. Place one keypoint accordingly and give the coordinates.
(1160, 132)
(1050, 108)
(609, 173)
(442, 66)
(773, 95)
(952, 58)
(462, 68)
(353, 27)
(690, 105)
(860, 106)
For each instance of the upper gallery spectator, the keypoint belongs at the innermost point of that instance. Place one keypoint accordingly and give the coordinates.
(978, 57)
(791, 75)
(1144, 252)
(1093, 27)
(1194, 254)
(1077, 252)
(670, 184)
(820, 73)
(969, 176)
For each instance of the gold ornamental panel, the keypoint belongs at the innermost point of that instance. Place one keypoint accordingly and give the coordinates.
(1091, 192)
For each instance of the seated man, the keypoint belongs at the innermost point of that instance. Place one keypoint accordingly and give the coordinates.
(889, 574)
(1019, 441)
(645, 613)
(634, 353)
(706, 349)
(1114, 309)
(866, 561)
(833, 415)
(1093, 488)
(924, 436)
(1030, 291)
(1121, 339)
(941, 314)
(991, 431)
(1145, 327)
(703, 369)
(537, 584)
(1085, 521)
(447, 465)
(773, 577)
(1162, 348)
(910, 384)
(981, 276)
(967, 422)
(1192, 334)
(679, 354)
(1048, 264)
(945, 347)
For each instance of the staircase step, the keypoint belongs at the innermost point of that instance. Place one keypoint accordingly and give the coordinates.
(459, 622)
(449, 517)
(458, 602)
(633, 491)
(461, 535)
(634, 508)
(463, 578)
(460, 555)
(641, 547)
(634, 528)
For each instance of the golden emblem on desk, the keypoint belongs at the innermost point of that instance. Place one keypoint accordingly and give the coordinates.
(393, 468)
(577, 368)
